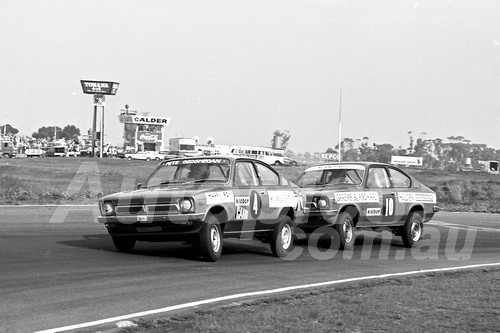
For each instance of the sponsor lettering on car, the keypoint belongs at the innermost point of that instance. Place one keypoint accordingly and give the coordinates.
(352, 195)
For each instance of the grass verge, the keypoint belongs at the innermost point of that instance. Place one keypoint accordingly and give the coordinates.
(83, 180)
(458, 301)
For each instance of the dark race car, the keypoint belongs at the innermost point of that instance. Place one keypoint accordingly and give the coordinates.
(352, 195)
(201, 200)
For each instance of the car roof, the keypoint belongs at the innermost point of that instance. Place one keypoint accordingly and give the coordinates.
(232, 158)
(364, 163)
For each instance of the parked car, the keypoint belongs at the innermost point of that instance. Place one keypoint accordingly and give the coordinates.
(201, 200)
(290, 162)
(145, 155)
(348, 196)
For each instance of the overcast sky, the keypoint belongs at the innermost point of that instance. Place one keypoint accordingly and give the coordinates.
(237, 70)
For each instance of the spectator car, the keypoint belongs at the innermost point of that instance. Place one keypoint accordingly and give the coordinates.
(201, 200)
(352, 195)
(290, 162)
(145, 155)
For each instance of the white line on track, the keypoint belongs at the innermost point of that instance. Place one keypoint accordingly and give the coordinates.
(460, 226)
(253, 294)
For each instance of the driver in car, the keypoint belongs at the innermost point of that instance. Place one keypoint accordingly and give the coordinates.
(199, 171)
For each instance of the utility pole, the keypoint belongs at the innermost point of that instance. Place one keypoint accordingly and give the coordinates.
(340, 125)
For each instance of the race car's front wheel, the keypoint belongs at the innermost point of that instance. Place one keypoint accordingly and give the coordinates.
(412, 230)
(211, 239)
(282, 237)
(123, 244)
(346, 230)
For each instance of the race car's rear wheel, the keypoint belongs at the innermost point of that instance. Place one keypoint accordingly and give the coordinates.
(211, 239)
(346, 230)
(282, 237)
(123, 244)
(412, 230)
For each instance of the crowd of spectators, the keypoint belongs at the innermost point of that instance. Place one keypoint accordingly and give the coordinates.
(79, 146)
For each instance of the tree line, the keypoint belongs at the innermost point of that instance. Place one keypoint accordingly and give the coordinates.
(454, 154)
(69, 132)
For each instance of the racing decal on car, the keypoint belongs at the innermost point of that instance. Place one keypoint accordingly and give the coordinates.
(279, 199)
(373, 211)
(198, 161)
(241, 213)
(388, 205)
(299, 199)
(357, 197)
(242, 207)
(219, 197)
(408, 197)
(335, 166)
(242, 201)
(255, 204)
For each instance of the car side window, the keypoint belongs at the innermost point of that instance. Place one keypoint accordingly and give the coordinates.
(377, 178)
(244, 174)
(399, 179)
(266, 175)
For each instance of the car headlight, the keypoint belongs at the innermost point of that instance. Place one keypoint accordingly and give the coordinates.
(186, 205)
(322, 203)
(108, 208)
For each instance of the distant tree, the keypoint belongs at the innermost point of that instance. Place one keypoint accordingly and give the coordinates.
(385, 151)
(330, 151)
(8, 129)
(347, 143)
(49, 132)
(351, 155)
(70, 132)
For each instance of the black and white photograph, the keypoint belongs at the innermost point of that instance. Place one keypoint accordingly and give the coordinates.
(249, 166)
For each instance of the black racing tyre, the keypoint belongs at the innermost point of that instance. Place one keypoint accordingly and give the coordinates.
(123, 244)
(148, 159)
(211, 239)
(277, 163)
(346, 230)
(412, 230)
(157, 159)
(282, 237)
(129, 158)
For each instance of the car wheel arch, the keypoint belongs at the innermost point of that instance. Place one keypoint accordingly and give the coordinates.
(287, 211)
(417, 209)
(352, 210)
(221, 214)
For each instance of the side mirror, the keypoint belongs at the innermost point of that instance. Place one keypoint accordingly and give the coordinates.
(138, 186)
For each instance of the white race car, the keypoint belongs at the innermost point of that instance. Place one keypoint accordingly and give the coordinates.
(145, 155)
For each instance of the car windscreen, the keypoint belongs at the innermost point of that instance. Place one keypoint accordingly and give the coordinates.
(331, 175)
(205, 170)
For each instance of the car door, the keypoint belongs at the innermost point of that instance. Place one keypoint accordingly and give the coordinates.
(248, 197)
(388, 210)
(402, 186)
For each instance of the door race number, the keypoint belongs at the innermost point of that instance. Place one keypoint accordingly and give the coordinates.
(389, 206)
(255, 204)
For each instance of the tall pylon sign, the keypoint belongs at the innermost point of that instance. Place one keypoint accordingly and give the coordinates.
(99, 89)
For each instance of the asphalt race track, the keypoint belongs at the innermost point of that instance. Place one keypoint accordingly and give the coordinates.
(59, 267)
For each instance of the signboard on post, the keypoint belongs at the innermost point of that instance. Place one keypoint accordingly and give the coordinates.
(406, 160)
(99, 87)
(130, 119)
